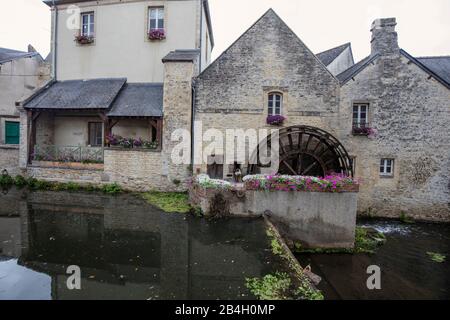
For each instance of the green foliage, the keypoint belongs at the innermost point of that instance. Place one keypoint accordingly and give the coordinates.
(6, 180)
(270, 287)
(34, 184)
(437, 257)
(20, 181)
(173, 202)
(305, 291)
(366, 241)
(197, 212)
(405, 219)
(275, 245)
(113, 188)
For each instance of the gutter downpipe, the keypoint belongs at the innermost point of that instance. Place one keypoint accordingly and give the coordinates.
(201, 32)
(54, 36)
(193, 125)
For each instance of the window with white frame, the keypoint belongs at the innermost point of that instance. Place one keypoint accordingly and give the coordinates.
(155, 18)
(387, 167)
(360, 115)
(275, 104)
(87, 24)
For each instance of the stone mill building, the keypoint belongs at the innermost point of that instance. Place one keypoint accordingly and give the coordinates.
(142, 69)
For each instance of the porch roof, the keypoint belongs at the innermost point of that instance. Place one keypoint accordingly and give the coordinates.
(139, 100)
(77, 94)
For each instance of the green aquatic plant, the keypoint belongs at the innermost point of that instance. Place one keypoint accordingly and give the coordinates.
(173, 202)
(270, 287)
(112, 188)
(404, 218)
(437, 257)
(366, 241)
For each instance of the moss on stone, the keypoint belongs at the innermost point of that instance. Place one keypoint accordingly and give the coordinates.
(173, 202)
(367, 240)
(300, 286)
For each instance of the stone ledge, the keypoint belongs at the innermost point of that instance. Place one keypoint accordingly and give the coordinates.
(68, 165)
(9, 146)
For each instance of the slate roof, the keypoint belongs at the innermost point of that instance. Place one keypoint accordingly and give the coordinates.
(439, 65)
(139, 100)
(330, 55)
(7, 55)
(77, 94)
(355, 69)
(182, 55)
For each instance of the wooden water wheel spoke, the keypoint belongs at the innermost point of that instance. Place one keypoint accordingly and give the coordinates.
(299, 163)
(289, 167)
(308, 142)
(309, 168)
(300, 138)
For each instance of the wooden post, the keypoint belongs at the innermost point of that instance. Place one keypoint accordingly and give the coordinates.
(106, 127)
(32, 116)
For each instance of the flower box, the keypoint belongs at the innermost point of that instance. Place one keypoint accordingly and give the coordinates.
(84, 39)
(156, 34)
(332, 183)
(130, 143)
(276, 120)
(364, 131)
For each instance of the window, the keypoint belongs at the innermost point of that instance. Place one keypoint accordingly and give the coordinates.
(95, 134)
(387, 167)
(156, 18)
(360, 115)
(275, 103)
(12, 132)
(215, 167)
(87, 24)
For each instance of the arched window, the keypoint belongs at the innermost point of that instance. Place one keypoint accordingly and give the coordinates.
(275, 103)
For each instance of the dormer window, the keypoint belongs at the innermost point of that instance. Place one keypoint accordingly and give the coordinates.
(156, 23)
(275, 104)
(87, 24)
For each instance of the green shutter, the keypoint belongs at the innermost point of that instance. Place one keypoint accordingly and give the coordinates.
(12, 132)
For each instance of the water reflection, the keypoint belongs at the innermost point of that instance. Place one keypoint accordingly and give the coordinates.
(126, 249)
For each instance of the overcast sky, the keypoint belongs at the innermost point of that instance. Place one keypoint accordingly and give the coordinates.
(423, 25)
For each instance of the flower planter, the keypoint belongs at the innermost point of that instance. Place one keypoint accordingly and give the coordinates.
(276, 120)
(157, 35)
(84, 39)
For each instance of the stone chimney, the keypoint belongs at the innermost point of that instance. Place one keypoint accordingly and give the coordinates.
(384, 37)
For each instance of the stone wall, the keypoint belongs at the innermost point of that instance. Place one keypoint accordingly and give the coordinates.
(316, 219)
(412, 115)
(59, 174)
(138, 170)
(177, 109)
(232, 93)
(9, 159)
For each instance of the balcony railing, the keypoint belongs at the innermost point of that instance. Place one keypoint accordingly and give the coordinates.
(68, 154)
(361, 129)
